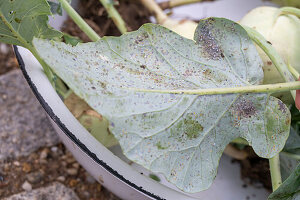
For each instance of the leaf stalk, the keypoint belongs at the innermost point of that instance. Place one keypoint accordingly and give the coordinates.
(154, 8)
(79, 21)
(275, 172)
(114, 15)
(46, 68)
(289, 10)
(175, 3)
(273, 55)
(270, 88)
(293, 71)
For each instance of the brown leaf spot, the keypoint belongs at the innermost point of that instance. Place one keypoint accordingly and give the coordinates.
(141, 38)
(143, 66)
(244, 108)
(209, 44)
(282, 107)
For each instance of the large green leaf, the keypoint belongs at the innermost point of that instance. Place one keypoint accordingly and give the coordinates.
(21, 20)
(55, 8)
(290, 188)
(181, 136)
(287, 165)
(293, 141)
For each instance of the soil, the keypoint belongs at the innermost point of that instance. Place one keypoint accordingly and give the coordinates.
(8, 60)
(255, 170)
(133, 13)
(45, 166)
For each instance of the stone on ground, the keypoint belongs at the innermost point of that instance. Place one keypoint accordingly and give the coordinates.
(56, 191)
(24, 126)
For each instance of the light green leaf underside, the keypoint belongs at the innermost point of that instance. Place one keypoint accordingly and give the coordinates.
(21, 20)
(181, 136)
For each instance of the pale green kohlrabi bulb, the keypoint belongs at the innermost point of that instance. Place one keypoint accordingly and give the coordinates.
(283, 33)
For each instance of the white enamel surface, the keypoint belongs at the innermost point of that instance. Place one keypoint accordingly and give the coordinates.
(227, 186)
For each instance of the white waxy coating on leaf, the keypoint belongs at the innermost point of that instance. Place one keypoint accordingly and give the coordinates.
(181, 136)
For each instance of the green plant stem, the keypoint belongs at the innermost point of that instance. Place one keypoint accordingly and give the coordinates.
(291, 155)
(293, 71)
(79, 21)
(271, 88)
(289, 10)
(275, 172)
(46, 68)
(273, 55)
(154, 8)
(114, 15)
(175, 3)
(60, 87)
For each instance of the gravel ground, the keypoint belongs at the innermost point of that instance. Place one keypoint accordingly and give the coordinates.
(54, 192)
(23, 122)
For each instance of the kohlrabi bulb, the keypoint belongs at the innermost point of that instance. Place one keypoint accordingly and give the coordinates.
(283, 33)
(185, 28)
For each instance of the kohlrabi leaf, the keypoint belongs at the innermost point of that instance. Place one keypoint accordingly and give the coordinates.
(287, 165)
(55, 8)
(181, 136)
(21, 20)
(290, 188)
(293, 141)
